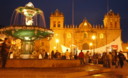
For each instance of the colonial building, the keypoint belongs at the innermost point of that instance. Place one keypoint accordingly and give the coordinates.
(85, 36)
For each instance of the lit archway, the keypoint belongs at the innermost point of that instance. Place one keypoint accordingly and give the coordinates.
(85, 46)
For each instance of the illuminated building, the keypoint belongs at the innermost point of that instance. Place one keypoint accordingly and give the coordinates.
(106, 37)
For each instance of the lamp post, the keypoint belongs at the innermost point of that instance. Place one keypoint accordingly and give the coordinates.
(94, 38)
(90, 45)
(57, 41)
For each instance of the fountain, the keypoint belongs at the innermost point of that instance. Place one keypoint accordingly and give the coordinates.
(28, 25)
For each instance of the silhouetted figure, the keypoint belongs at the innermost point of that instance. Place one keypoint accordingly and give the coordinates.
(57, 54)
(52, 54)
(121, 59)
(46, 55)
(81, 57)
(67, 54)
(4, 53)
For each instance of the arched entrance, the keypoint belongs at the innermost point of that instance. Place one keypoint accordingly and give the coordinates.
(85, 46)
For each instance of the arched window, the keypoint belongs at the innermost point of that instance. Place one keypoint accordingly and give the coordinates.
(54, 23)
(101, 36)
(85, 35)
(68, 35)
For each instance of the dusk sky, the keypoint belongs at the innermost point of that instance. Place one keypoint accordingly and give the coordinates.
(93, 10)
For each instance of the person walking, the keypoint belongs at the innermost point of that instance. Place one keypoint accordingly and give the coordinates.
(81, 57)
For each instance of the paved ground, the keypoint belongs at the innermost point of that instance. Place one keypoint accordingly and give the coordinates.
(86, 71)
(72, 72)
(121, 71)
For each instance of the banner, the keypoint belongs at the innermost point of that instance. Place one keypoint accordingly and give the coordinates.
(114, 47)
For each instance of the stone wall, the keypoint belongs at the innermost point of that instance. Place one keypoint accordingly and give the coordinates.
(19, 63)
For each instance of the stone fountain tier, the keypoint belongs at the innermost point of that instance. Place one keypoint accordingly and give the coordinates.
(27, 32)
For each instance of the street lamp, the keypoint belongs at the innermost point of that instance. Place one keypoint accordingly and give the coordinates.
(90, 45)
(94, 38)
(57, 41)
(54, 48)
(127, 48)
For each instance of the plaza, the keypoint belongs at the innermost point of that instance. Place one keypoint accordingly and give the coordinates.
(30, 49)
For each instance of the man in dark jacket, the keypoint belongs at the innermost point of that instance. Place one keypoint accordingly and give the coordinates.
(4, 52)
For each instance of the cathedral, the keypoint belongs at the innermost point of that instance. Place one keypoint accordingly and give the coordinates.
(85, 36)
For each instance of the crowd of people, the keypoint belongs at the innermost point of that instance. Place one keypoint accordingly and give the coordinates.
(108, 59)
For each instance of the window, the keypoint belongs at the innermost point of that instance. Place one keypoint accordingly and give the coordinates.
(59, 24)
(54, 23)
(110, 24)
(101, 36)
(85, 35)
(68, 35)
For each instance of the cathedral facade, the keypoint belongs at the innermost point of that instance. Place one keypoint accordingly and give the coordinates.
(85, 36)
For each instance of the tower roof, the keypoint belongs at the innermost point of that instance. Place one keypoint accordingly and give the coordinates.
(111, 13)
(57, 13)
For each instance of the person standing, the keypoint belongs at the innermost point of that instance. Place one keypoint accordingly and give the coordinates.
(121, 59)
(67, 54)
(81, 57)
(109, 59)
(52, 54)
(86, 57)
(4, 52)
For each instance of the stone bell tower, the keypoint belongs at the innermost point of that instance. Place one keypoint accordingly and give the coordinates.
(112, 20)
(56, 20)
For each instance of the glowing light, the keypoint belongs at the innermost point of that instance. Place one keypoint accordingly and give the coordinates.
(93, 37)
(30, 4)
(127, 48)
(56, 34)
(54, 48)
(101, 35)
(85, 24)
(90, 44)
(97, 75)
(12, 42)
(57, 40)
(29, 22)
(26, 38)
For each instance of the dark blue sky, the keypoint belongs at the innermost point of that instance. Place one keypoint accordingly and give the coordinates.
(93, 10)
